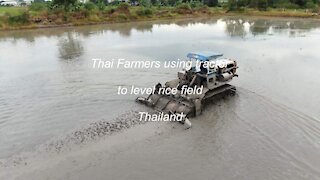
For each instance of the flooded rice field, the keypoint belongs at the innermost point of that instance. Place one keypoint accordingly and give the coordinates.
(269, 130)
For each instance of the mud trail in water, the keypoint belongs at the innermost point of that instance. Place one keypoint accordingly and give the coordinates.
(79, 137)
(246, 134)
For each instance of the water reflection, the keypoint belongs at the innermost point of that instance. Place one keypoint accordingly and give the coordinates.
(125, 29)
(234, 27)
(70, 46)
(259, 26)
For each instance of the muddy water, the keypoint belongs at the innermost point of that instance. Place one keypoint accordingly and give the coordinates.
(49, 88)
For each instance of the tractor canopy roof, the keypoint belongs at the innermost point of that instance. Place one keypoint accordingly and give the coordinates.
(204, 56)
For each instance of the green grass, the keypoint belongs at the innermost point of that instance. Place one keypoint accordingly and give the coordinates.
(12, 10)
(276, 13)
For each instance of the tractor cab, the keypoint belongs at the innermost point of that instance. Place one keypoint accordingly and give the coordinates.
(196, 61)
(208, 69)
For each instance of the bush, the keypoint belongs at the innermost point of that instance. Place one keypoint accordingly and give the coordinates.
(37, 6)
(66, 17)
(66, 4)
(196, 4)
(56, 9)
(101, 6)
(144, 12)
(145, 3)
(148, 11)
(78, 7)
(211, 3)
(172, 2)
(110, 10)
(90, 6)
(183, 8)
(203, 9)
(19, 19)
(287, 5)
(232, 5)
(123, 8)
(94, 18)
(262, 5)
(316, 10)
(122, 17)
(2, 22)
(311, 5)
(239, 5)
(114, 3)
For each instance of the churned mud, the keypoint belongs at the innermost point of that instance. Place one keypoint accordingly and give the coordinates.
(80, 137)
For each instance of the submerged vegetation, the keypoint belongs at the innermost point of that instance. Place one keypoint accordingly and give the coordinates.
(72, 12)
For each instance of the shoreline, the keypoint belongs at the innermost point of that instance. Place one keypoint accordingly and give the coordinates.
(252, 14)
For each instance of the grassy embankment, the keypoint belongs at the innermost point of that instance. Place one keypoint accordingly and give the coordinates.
(40, 15)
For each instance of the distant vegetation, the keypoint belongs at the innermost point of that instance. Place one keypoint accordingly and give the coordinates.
(72, 12)
(265, 4)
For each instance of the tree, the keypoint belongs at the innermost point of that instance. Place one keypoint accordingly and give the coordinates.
(301, 3)
(145, 3)
(236, 4)
(262, 5)
(154, 2)
(172, 2)
(65, 3)
(271, 3)
(232, 5)
(163, 2)
(211, 3)
(133, 2)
